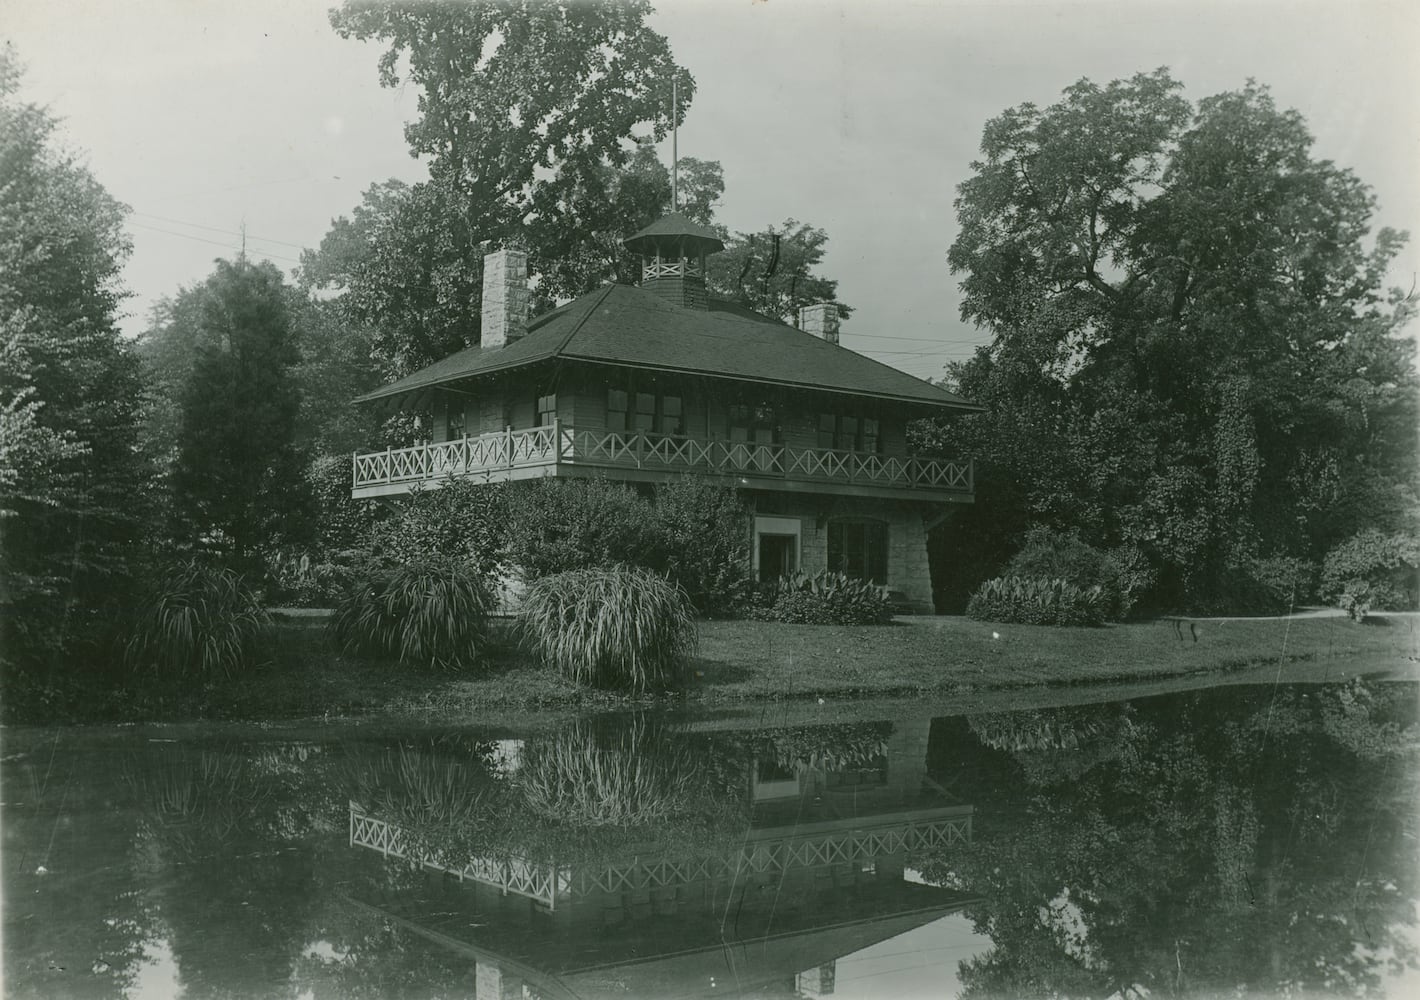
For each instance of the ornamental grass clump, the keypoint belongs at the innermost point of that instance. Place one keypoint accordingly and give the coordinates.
(202, 619)
(615, 627)
(1024, 600)
(431, 613)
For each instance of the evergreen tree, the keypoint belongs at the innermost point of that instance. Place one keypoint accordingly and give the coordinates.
(238, 479)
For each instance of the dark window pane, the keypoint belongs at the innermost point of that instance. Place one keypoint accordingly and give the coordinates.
(670, 406)
(645, 422)
(645, 403)
(616, 400)
(848, 433)
(827, 429)
(871, 437)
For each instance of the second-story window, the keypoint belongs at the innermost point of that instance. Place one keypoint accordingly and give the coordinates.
(645, 412)
(616, 419)
(847, 432)
(756, 423)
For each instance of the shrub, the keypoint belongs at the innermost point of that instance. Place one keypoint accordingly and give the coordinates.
(202, 618)
(341, 522)
(556, 525)
(1286, 581)
(430, 612)
(1372, 570)
(618, 626)
(295, 578)
(1055, 555)
(1036, 601)
(1133, 577)
(463, 520)
(704, 537)
(825, 599)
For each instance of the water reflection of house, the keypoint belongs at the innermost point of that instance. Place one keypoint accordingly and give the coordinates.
(822, 872)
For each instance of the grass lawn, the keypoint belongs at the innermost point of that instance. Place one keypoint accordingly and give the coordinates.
(742, 663)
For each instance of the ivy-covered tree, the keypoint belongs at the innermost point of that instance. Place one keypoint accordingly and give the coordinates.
(73, 483)
(1192, 348)
(238, 481)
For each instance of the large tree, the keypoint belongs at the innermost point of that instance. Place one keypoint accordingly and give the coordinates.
(238, 479)
(73, 488)
(772, 271)
(1192, 348)
(521, 107)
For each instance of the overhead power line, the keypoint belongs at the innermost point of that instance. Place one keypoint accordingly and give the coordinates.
(230, 245)
(216, 229)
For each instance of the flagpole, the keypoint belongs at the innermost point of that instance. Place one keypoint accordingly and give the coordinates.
(675, 150)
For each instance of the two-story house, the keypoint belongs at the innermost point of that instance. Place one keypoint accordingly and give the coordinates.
(646, 383)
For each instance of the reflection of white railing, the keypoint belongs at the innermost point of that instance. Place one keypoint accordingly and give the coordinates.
(510, 874)
(544, 882)
(778, 855)
(558, 444)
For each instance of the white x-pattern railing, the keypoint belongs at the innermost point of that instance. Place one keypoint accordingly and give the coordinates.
(558, 444)
(544, 882)
(509, 873)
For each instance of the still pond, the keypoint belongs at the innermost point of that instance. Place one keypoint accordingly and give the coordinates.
(1238, 840)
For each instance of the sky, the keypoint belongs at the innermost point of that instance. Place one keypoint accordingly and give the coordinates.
(857, 117)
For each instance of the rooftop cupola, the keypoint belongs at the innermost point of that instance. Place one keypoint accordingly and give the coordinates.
(673, 251)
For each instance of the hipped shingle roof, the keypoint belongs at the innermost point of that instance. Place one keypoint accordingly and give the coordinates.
(629, 326)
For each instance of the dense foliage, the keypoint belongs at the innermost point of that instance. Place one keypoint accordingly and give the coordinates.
(428, 612)
(1034, 600)
(695, 533)
(825, 598)
(199, 620)
(237, 476)
(1192, 349)
(503, 152)
(616, 627)
(772, 271)
(1373, 570)
(1120, 574)
(74, 485)
(1229, 842)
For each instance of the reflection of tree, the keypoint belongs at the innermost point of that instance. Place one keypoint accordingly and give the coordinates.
(1232, 841)
(226, 839)
(73, 927)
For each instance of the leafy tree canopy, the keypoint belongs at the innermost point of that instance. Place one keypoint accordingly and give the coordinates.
(771, 271)
(72, 481)
(1192, 348)
(523, 110)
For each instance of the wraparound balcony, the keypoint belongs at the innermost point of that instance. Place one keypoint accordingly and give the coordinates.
(561, 450)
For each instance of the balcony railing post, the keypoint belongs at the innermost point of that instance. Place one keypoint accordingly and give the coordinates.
(508, 444)
(354, 469)
(556, 440)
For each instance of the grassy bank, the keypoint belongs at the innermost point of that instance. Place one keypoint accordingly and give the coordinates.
(746, 662)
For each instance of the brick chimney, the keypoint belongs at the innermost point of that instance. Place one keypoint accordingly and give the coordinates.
(505, 297)
(821, 320)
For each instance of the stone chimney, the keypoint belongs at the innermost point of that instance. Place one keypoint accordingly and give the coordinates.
(505, 297)
(821, 320)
